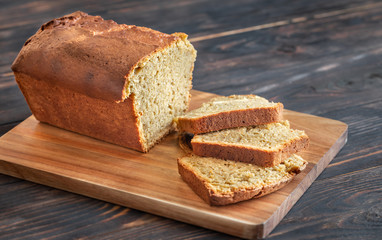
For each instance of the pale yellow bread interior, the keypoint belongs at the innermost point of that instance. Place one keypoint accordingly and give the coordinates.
(160, 86)
(272, 137)
(226, 176)
(230, 103)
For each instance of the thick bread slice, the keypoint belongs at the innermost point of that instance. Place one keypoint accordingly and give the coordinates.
(222, 182)
(264, 145)
(230, 112)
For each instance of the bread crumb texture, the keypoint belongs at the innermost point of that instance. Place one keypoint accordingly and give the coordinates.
(230, 103)
(226, 176)
(272, 137)
(160, 85)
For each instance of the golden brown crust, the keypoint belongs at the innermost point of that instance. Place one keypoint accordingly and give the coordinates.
(246, 154)
(200, 187)
(109, 121)
(195, 183)
(274, 187)
(231, 119)
(74, 72)
(89, 55)
(239, 196)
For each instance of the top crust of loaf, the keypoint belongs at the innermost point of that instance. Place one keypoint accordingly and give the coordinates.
(90, 55)
(251, 110)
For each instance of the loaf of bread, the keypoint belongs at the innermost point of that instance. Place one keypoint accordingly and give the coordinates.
(229, 112)
(264, 145)
(222, 182)
(119, 83)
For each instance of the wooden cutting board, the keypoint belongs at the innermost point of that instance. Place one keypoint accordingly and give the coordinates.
(150, 182)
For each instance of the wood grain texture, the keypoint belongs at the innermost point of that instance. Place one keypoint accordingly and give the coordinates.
(326, 61)
(150, 182)
(345, 191)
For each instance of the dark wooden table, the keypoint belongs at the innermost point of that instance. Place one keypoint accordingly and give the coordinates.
(318, 57)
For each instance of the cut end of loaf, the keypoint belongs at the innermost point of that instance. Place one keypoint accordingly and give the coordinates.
(160, 84)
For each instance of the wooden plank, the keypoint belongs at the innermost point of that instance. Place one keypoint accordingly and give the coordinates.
(349, 92)
(357, 194)
(266, 61)
(315, 60)
(150, 182)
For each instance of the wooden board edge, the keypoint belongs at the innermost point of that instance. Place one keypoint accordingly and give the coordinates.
(169, 210)
(10, 130)
(301, 188)
(135, 201)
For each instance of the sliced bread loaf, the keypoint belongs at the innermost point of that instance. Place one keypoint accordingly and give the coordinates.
(119, 83)
(222, 182)
(264, 145)
(229, 112)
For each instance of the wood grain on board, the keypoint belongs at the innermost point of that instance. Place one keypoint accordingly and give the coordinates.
(150, 182)
(317, 57)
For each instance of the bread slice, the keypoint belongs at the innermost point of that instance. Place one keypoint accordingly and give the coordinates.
(119, 83)
(264, 145)
(230, 112)
(222, 182)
